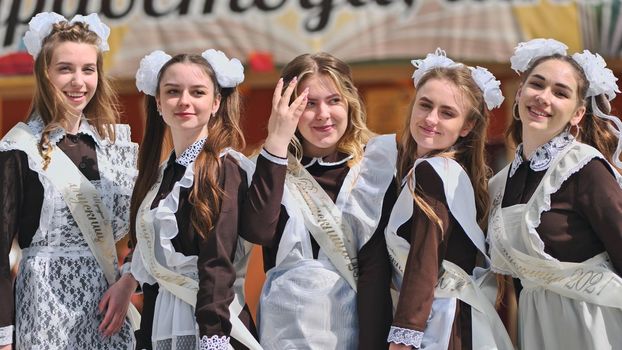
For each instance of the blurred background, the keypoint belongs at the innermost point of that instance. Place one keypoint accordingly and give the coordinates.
(377, 37)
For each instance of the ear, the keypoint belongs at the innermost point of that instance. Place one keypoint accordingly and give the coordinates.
(467, 127)
(158, 106)
(518, 92)
(578, 115)
(216, 104)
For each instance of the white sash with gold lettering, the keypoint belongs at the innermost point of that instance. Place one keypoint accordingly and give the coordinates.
(185, 287)
(487, 327)
(323, 220)
(516, 248)
(84, 202)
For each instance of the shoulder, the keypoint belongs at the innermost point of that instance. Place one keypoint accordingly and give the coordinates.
(386, 144)
(428, 180)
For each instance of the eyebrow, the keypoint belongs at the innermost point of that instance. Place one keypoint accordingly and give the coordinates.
(442, 106)
(192, 87)
(563, 86)
(327, 97)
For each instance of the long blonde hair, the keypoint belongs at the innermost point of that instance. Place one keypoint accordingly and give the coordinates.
(224, 131)
(468, 151)
(323, 64)
(48, 102)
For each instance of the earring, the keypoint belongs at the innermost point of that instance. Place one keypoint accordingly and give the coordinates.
(577, 128)
(515, 111)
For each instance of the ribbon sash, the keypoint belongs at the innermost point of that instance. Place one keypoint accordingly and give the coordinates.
(592, 281)
(183, 287)
(324, 221)
(84, 203)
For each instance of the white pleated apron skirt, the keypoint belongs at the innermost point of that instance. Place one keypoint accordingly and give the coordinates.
(307, 306)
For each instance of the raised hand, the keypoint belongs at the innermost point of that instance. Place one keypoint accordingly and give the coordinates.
(284, 117)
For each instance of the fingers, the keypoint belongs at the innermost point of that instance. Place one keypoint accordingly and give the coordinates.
(276, 97)
(287, 95)
(103, 304)
(109, 315)
(300, 103)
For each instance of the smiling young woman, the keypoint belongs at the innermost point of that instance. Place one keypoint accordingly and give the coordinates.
(328, 272)
(68, 159)
(555, 217)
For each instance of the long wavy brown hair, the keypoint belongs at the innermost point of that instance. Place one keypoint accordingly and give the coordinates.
(323, 64)
(468, 151)
(595, 131)
(224, 132)
(49, 103)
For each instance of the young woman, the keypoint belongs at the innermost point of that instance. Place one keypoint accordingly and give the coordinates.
(185, 211)
(66, 178)
(434, 235)
(555, 220)
(328, 275)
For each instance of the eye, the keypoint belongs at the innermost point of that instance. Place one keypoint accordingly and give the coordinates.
(448, 113)
(199, 92)
(425, 105)
(64, 69)
(535, 84)
(335, 100)
(171, 91)
(562, 94)
(310, 104)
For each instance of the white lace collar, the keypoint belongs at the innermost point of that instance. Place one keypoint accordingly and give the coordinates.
(320, 161)
(191, 153)
(541, 158)
(37, 126)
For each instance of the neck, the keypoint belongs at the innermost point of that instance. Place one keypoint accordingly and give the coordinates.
(73, 124)
(316, 152)
(532, 140)
(183, 139)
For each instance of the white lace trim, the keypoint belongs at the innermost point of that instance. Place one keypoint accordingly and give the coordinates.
(214, 343)
(405, 336)
(542, 157)
(559, 175)
(6, 335)
(191, 153)
(273, 159)
(321, 162)
(37, 126)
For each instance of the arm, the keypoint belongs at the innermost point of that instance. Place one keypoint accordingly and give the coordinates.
(423, 263)
(600, 201)
(215, 264)
(261, 208)
(375, 309)
(13, 166)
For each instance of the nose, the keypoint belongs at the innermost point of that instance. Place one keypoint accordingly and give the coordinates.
(544, 97)
(184, 99)
(77, 79)
(432, 117)
(323, 111)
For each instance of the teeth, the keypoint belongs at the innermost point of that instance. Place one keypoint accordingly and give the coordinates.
(74, 94)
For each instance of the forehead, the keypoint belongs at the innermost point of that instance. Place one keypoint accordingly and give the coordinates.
(76, 53)
(319, 83)
(186, 73)
(442, 92)
(558, 72)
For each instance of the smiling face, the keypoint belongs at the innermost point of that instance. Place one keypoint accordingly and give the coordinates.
(548, 100)
(187, 99)
(438, 116)
(325, 118)
(73, 71)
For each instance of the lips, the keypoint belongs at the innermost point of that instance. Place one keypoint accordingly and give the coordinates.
(75, 96)
(428, 131)
(184, 114)
(538, 113)
(324, 128)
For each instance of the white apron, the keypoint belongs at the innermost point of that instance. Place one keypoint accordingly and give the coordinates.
(477, 290)
(156, 261)
(80, 221)
(563, 305)
(309, 303)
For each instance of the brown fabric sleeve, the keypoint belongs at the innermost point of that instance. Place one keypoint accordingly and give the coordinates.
(216, 253)
(422, 266)
(12, 165)
(261, 207)
(375, 309)
(599, 199)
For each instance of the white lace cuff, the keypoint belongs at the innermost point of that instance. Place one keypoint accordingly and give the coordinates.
(405, 336)
(126, 268)
(214, 343)
(273, 158)
(6, 335)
